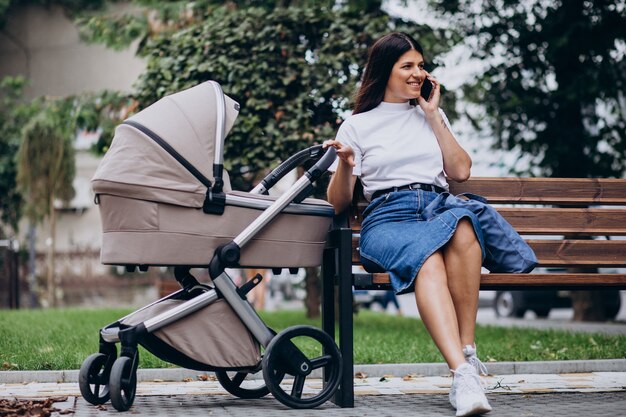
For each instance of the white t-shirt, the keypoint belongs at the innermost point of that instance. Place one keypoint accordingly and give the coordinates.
(393, 146)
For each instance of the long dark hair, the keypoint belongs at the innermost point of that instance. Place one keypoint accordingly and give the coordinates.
(381, 59)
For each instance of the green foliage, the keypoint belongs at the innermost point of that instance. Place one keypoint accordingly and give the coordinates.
(54, 123)
(555, 85)
(101, 112)
(116, 32)
(46, 159)
(156, 17)
(292, 70)
(14, 114)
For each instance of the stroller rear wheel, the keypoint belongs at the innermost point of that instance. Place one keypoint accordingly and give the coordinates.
(232, 382)
(93, 378)
(291, 352)
(123, 383)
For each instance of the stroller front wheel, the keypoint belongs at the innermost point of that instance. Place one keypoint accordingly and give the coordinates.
(123, 383)
(291, 352)
(93, 378)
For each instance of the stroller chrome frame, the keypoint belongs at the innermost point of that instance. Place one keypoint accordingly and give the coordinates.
(104, 376)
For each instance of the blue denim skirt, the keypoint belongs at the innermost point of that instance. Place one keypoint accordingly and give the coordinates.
(397, 237)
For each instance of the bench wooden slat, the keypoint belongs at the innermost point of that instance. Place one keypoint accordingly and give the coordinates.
(493, 281)
(545, 190)
(598, 222)
(563, 253)
(557, 221)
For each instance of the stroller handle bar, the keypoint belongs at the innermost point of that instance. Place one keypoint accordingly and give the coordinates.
(312, 153)
(272, 211)
(220, 133)
(229, 254)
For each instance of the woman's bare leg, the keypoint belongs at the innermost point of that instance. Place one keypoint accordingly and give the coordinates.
(462, 258)
(436, 309)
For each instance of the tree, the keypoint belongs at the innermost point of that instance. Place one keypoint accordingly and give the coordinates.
(554, 88)
(13, 115)
(555, 83)
(45, 171)
(292, 69)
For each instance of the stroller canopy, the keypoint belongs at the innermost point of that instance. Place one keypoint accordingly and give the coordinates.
(190, 123)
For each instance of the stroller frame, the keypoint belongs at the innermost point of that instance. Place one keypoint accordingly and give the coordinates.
(105, 376)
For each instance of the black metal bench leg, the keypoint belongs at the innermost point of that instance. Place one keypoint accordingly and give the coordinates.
(328, 292)
(345, 394)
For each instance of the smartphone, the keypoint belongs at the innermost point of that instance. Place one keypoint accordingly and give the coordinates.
(427, 88)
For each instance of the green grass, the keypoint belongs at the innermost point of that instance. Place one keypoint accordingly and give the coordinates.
(62, 339)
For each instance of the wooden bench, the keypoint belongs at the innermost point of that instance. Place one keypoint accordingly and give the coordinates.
(570, 223)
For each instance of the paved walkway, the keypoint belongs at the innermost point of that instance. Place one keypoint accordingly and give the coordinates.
(566, 394)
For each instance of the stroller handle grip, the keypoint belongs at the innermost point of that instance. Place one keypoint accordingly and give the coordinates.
(294, 161)
(321, 166)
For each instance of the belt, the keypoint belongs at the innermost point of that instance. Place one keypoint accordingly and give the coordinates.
(414, 186)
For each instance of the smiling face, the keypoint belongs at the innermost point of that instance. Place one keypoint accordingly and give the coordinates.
(406, 78)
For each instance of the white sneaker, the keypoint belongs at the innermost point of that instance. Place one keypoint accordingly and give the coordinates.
(471, 358)
(470, 398)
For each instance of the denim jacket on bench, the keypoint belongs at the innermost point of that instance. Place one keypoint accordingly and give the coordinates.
(506, 251)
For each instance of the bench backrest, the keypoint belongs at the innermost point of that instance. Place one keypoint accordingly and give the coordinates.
(569, 223)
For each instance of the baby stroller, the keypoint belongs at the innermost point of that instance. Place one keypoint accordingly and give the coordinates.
(161, 205)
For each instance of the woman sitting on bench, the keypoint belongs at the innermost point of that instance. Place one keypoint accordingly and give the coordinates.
(401, 147)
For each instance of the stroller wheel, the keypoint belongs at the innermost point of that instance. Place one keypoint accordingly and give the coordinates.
(292, 352)
(93, 378)
(232, 382)
(123, 383)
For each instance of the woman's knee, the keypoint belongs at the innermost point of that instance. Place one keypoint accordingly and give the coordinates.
(433, 271)
(465, 237)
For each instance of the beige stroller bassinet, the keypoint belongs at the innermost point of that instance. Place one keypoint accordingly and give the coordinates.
(154, 181)
(165, 199)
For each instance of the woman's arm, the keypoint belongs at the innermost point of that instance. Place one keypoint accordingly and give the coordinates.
(342, 182)
(457, 163)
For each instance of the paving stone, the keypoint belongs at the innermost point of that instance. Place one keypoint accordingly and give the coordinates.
(555, 405)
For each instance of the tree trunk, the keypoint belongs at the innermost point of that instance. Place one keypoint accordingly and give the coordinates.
(51, 279)
(36, 295)
(312, 285)
(13, 272)
(589, 306)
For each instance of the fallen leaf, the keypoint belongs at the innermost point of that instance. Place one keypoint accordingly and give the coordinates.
(187, 379)
(58, 399)
(29, 407)
(360, 375)
(203, 377)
